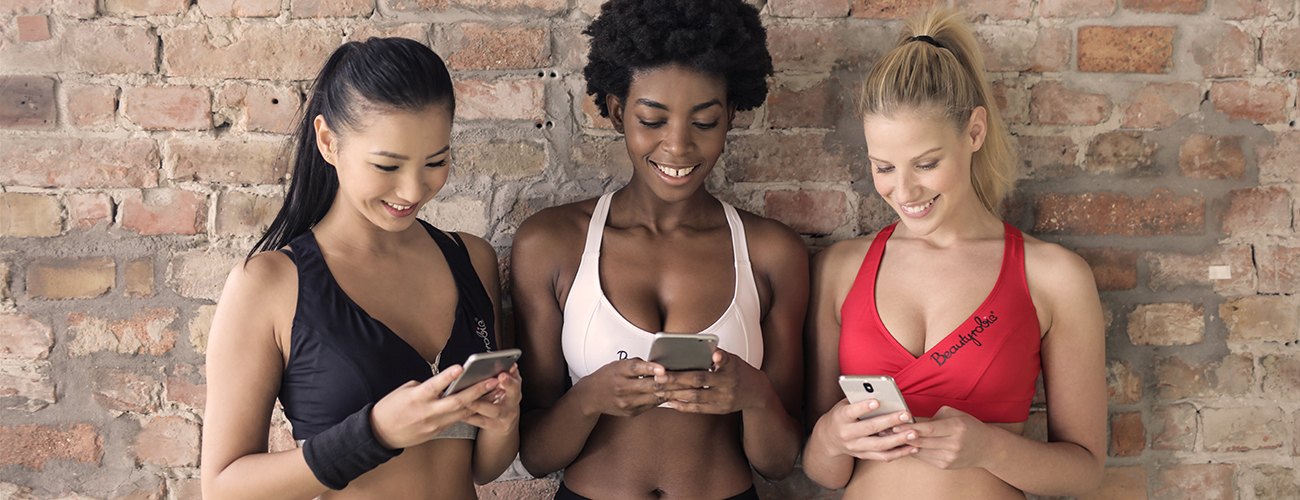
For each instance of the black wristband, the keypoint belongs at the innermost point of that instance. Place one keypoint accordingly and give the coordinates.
(346, 451)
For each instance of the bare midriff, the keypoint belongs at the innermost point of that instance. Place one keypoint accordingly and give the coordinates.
(436, 470)
(662, 454)
(910, 477)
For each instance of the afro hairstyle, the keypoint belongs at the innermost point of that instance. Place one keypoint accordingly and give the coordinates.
(717, 37)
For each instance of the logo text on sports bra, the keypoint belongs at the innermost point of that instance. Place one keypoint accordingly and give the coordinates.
(482, 332)
(622, 355)
(962, 339)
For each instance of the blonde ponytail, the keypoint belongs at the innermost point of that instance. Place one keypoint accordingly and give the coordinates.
(937, 66)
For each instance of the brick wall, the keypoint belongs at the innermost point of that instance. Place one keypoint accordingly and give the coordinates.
(140, 148)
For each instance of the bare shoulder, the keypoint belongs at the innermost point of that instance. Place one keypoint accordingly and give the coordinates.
(771, 238)
(556, 228)
(479, 249)
(266, 273)
(838, 258)
(1053, 267)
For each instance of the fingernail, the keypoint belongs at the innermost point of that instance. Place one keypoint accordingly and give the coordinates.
(873, 404)
(911, 435)
(903, 417)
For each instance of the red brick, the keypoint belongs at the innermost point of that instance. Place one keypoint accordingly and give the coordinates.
(186, 489)
(1165, 6)
(1278, 156)
(1241, 100)
(1261, 317)
(138, 277)
(150, 487)
(1121, 483)
(1052, 104)
(521, 489)
(1223, 50)
(808, 211)
(32, 28)
(167, 442)
(1245, 9)
(199, 327)
(1281, 49)
(1273, 482)
(27, 103)
(502, 160)
(200, 273)
(1178, 323)
(1279, 269)
(91, 106)
(187, 385)
(43, 162)
(23, 7)
(815, 106)
(86, 210)
(1209, 157)
(1122, 152)
(1160, 213)
(1242, 428)
(819, 48)
(34, 446)
(1231, 376)
(1012, 99)
(141, 8)
(1199, 481)
(242, 214)
(75, 278)
(1258, 211)
(1175, 427)
(874, 214)
(1159, 105)
(264, 108)
(1128, 49)
(776, 158)
(263, 52)
(164, 211)
(1076, 8)
(174, 107)
(498, 46)
(240, 8)
(146, 331)
(591, 114)
(280, 435)
(500, 99)
(1112, 268)
(331, 8)
(1170, 270)
(25, 385)
(414, 31)
(1281, 375)
(122, 390)
(1127, 436)
(1048, 157)
(23, 337)
(994, 9)
(546, 6)
(809, 8)
(26, 215)
(1122, 385)
(892, 9)
(238, 160)
(1023, 48)
(118, 49)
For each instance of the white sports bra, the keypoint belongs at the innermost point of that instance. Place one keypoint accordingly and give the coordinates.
(595, 333)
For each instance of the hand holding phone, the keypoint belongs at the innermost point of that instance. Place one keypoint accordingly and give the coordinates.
(683, 351)
(482, 366)
(882, 388)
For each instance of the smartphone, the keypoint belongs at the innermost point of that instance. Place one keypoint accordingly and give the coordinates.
(882, 388)
(482, 366)
(683, 351)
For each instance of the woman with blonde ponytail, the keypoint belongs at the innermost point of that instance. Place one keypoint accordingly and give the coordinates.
(962, 310)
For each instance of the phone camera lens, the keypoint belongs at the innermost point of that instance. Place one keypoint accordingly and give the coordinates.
(867, 386)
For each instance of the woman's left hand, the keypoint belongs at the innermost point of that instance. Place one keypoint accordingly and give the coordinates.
(951, 440)
(726, 388)
(498, 411)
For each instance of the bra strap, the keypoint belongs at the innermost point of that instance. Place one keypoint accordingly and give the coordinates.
(596, 228)
(739, 246)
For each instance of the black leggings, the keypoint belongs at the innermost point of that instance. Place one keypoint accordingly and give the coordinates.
(564, 493)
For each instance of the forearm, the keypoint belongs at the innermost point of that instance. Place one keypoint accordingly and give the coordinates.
(823, 464)
(771, 437)
(1051, 469)
(553, 437)
(493, 453)
(282, 475)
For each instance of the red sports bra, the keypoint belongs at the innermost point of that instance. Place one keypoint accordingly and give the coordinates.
(987, 367)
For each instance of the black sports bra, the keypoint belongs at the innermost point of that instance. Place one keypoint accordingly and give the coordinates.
(341, 359)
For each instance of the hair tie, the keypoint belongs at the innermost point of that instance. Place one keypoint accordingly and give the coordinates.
(926, 39)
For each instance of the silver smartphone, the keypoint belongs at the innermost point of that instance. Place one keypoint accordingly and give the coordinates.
(482, 366)
(882, 388)
(683, 351)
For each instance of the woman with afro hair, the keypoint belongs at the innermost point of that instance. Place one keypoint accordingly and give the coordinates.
(593, 281)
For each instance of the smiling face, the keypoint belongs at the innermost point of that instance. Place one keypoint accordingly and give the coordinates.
(921, 165)
(389, 167)
(675, 124)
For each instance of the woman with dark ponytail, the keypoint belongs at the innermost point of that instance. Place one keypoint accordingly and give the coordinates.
(959, 307)
(355, 314)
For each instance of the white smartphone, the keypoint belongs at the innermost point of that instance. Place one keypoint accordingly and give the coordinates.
(683, 351)
(882, 388)
(482, 366)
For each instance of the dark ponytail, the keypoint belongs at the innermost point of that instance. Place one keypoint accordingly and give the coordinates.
(381, 73)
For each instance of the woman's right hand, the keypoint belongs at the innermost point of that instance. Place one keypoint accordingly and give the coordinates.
(623, 388)
(870, 439)
(416, 412)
